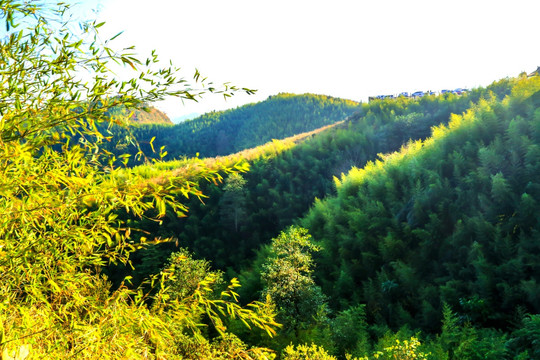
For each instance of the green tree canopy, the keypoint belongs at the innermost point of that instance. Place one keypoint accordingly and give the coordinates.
(288, 280)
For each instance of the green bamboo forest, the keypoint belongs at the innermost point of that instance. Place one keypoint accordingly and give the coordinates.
(301, 227)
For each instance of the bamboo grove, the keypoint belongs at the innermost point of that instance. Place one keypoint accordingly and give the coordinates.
(399, 229)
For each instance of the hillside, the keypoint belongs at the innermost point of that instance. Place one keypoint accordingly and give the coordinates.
(248, 126)
(446, 221)
(150, 115)
(281, 186)
(432, 225)
(147, 115)
(450, 220)
(401, 229)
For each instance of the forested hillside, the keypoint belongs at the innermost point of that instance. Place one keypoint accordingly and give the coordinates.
(281, 187)
(248, 126)
(436, 237)
(451, 221)
(447, 220)
(403, 229)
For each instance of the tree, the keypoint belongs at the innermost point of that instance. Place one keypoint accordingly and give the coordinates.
(192, 293)
(288, 281)
(61, 195)
(233, 202)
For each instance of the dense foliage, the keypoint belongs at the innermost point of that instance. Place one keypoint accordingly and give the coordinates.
(282, 185)
(437, 237)
(60, 199)
(426, 249)
(226, 132)
(450, 220)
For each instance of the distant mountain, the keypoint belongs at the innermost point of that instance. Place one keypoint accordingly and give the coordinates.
(146, 115)
(150, 115)
(190, 116)
(226, 132)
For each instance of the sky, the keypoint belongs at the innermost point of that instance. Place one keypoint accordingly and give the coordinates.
(342, 48)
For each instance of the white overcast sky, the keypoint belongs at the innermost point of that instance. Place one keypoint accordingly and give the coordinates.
(343, 48)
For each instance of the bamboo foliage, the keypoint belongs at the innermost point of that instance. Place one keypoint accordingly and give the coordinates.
(60, 197)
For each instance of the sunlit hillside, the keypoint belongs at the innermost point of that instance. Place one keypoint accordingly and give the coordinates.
(303, 227)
